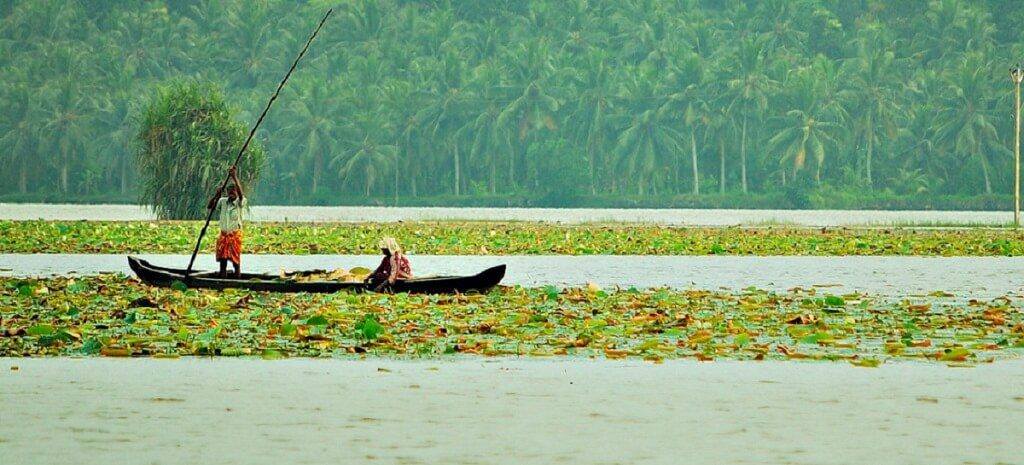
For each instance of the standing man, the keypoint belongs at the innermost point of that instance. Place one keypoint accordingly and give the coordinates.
(229, 243)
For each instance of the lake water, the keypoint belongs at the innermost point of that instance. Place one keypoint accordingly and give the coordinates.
(668, 217)
(899, 276)
(507, 411)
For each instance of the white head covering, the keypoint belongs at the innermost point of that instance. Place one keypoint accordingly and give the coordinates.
(390, 244)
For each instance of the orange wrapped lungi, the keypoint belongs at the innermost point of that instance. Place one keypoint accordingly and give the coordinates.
(229, 246)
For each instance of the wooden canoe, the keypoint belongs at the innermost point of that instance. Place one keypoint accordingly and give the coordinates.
(165, 277)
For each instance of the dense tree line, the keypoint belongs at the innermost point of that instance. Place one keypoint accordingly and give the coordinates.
(562, 98)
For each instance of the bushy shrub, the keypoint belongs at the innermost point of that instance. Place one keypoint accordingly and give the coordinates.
(187, 140)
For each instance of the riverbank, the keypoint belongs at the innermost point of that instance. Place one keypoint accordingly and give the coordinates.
(650, 216)
(506, 411)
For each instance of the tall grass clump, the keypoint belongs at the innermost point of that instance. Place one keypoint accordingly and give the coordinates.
(187, 139)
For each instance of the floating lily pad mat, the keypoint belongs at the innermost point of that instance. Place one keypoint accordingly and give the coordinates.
(482, 238)
(114, 315)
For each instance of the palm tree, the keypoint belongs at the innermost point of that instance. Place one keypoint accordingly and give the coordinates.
(533, 74)
(966, 118)
(688, 100)
(369, 161)
(595, 81)
(873, 79)
(650, 143)
(806, 129)
(254, 42)
(748, 90)
(311, 130)
(67, 110)
(446, 112)
(19, 129)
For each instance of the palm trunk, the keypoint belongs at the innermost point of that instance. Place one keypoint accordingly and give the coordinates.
(23, 178)
(412, 174)
(318, 165)
(458, 174)
(871, 141)
(721, 166)
(984, 172)
(593, 170)
(124, 173)
(743, 155)
(512, 168)
(494, 175)
(693, 157)
(64, 178)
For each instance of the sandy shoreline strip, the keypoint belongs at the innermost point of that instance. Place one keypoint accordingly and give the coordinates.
(659, 216)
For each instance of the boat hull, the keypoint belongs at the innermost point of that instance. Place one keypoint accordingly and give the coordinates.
(166, 277)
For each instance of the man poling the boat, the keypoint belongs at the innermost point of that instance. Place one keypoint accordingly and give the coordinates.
(394, 266)
(229, 243)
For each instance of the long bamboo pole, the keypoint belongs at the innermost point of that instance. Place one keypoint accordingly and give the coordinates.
(252, 132)
(1017, 75)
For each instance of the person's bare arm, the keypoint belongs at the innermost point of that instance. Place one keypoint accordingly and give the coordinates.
(213, 202)
(234, 177)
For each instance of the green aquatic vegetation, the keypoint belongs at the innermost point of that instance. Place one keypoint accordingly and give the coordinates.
(113, 315)
(485, 238)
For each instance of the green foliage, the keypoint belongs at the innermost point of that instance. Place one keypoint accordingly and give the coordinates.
(517, 238)
(186, 141)
(561, 172)
(455, 101)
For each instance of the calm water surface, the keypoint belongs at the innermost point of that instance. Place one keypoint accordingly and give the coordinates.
(507, 411)
(975, 276)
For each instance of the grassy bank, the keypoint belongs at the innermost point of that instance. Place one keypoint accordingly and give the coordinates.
(113, 315)
(483, 238)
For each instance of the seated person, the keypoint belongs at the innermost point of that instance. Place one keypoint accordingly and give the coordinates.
(394, 266)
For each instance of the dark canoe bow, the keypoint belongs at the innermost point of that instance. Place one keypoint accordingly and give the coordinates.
(165, 277)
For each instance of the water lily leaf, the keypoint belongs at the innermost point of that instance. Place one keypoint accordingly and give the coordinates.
(77, 287)
(958, 354)
(39, 330)
(273, 354)
(317, 320)
(179, 286)
(90, 346)
(369, 328)
(834, 301)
